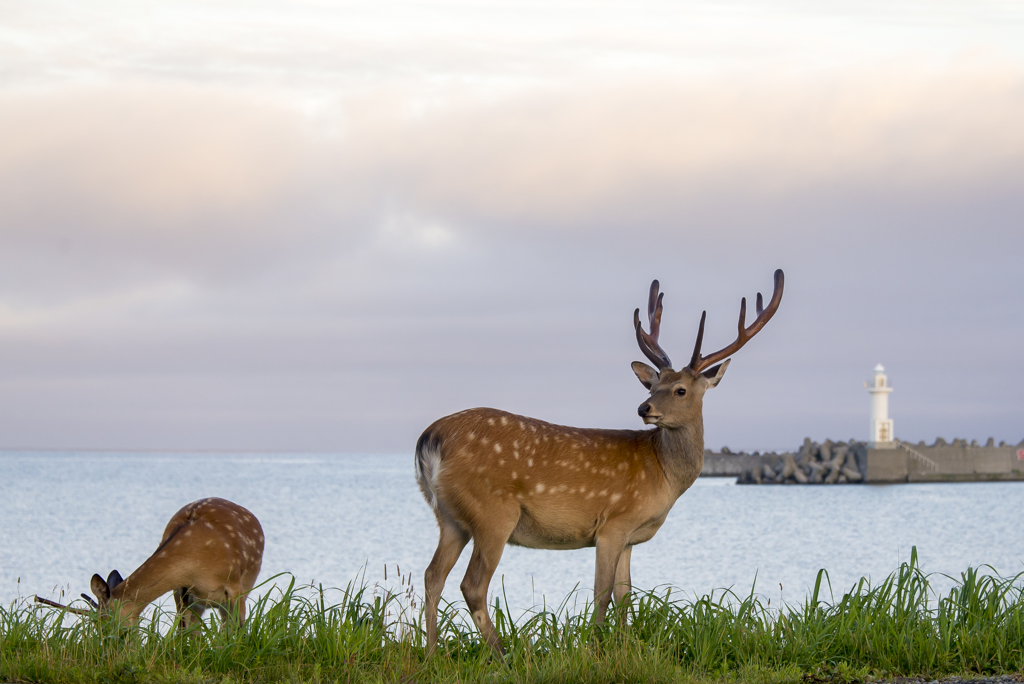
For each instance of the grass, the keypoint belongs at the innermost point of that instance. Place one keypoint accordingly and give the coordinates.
(897, 628)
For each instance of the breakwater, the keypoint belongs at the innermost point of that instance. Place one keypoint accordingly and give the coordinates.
(853, 462)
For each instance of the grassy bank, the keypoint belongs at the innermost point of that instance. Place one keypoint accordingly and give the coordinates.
(895, 628)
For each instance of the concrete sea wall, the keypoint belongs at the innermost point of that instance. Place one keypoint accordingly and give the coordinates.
(855, 462)
(942, 462)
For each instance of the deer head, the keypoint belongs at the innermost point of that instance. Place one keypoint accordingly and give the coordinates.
(103, 589)
(677, 396)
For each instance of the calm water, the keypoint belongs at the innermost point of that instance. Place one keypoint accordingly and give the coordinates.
(330, 518)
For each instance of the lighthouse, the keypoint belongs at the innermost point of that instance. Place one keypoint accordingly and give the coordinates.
(881, 435)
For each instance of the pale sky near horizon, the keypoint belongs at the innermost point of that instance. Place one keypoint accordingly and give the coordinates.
(321, 226)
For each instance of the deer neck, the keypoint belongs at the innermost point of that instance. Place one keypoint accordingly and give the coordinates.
(681, 453)
(141, 588)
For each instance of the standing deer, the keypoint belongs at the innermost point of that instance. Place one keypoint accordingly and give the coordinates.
(498, 478)
(210, 555)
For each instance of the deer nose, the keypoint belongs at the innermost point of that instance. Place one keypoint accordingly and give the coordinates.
(644, 409)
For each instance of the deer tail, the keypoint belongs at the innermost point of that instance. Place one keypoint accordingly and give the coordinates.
(428, 465)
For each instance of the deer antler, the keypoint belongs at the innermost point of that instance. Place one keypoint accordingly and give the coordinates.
(54, 604)
(649, 343)
(699, 363)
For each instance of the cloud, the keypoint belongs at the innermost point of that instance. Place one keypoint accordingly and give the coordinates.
(213, 265)
(661, 147)
(174, 160)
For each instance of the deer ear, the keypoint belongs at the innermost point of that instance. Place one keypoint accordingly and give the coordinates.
(647, 375)
(113, 579)
(714, 374)
(100, 588)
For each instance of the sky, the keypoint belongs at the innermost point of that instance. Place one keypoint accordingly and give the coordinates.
(313, 226)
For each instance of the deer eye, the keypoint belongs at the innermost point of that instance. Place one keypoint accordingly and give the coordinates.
(681, 391)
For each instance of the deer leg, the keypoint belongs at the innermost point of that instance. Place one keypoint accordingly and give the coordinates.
(188, 612)
(238, 609)
(482, 564)
(232, 611)
(225, 615)
(610, 547)
(233, 608)
(622, 579)
(449, 547)
(182, 607)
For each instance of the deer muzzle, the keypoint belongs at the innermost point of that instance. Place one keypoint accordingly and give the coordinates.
(648, 413)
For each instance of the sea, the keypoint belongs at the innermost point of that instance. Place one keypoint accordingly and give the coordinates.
(337, 520)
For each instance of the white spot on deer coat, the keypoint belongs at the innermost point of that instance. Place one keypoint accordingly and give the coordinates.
(540, 488)
(497, 447)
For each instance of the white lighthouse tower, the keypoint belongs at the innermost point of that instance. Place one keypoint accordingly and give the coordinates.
(881, 435)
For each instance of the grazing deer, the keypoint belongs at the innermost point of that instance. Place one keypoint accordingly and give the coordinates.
(498, 478)
(210, 555)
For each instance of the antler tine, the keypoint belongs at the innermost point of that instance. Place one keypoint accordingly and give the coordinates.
(654, 308)
(699, 363)
(90, 600)
(700, 340)
(649, 343)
